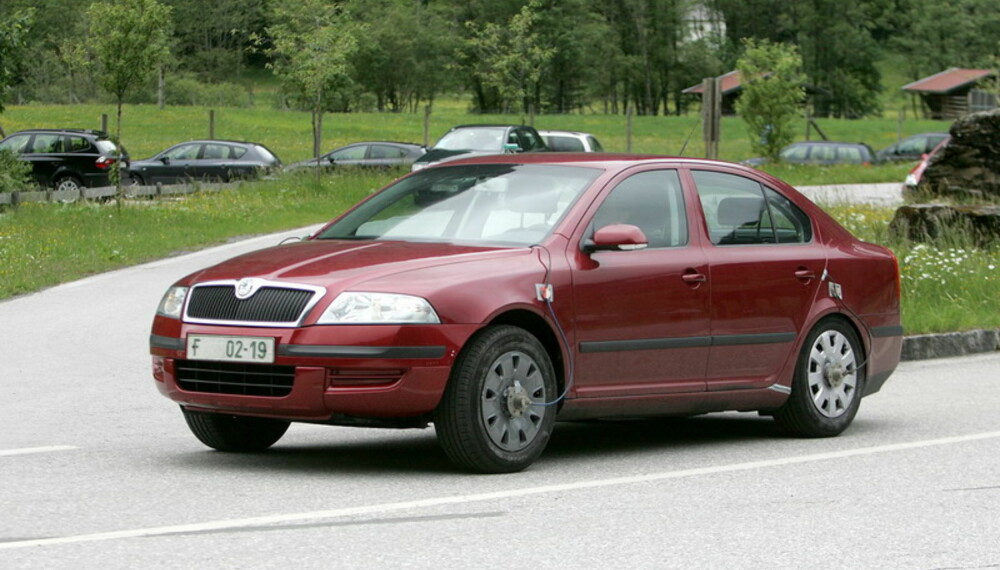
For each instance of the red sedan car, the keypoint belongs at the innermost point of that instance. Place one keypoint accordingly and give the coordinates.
(492, 296)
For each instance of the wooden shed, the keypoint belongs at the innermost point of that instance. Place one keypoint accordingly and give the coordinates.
(953, 93)
(729, 84)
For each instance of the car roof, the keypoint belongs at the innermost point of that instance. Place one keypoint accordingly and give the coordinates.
(399, 143)
(494, 126)
(225, 141)
(597, 159)
(802, 143)
(92, 132)
(560, 132)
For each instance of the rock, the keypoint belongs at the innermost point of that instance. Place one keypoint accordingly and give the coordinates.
(970, 163)
(928, 222)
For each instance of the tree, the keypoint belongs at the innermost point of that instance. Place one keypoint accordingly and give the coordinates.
(311, 43)
(404, 57)
(772, 93)
(510, 57)
(129, 39)
(13, 32)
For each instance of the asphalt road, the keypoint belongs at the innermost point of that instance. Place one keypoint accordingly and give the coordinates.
(99, 471)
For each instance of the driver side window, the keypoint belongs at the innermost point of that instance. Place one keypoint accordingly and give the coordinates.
(651, 201)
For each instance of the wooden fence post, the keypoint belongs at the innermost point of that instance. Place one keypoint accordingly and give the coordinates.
(427, 124)
(628, 126)
(711, 112)
(211, 123)
(104, 122)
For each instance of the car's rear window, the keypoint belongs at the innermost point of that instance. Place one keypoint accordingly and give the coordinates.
(565, 144)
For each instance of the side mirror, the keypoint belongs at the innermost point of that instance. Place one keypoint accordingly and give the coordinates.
(510, 148)
(616, 237)
(165, 159)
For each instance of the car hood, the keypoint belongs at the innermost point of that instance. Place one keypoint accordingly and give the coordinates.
(391, 266)
(441, 155)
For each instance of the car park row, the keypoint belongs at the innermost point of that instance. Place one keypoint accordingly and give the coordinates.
(72, 159)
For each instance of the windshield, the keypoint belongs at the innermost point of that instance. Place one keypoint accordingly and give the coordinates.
(478, 204)
(480, 138)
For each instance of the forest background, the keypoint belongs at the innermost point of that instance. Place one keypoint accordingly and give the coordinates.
(591, 56)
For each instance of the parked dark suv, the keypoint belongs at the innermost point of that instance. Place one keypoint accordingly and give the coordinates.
(66, 159)
(464, 141)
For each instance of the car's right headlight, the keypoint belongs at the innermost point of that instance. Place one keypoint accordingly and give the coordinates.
(378, 308)
(172, 304)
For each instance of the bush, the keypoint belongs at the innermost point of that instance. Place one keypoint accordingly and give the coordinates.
(185, 90)
(15, 175)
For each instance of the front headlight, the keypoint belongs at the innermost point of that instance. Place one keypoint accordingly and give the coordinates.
(172, 303)
(378, 308)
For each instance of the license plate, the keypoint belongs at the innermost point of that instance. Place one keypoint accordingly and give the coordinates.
(230, 348)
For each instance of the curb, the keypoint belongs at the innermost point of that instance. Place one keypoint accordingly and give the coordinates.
(947, 345)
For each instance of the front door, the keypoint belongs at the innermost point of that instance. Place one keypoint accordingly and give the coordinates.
(642, 316)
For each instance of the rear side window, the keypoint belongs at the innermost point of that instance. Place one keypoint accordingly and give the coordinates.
(76, 144)
(217, 152)
(383, 151)
(740, 211)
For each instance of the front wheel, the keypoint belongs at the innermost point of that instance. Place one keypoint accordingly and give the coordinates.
(493, 417)
(226, 432)
(829, 377)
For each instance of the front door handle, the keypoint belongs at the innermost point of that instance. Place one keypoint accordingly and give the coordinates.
(804, 274)
(694, 278)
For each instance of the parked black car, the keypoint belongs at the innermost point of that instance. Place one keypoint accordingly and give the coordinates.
(822, 152)
(376, 154)
(911, 148)
(66, 159)
(472, 140)
(216, 160)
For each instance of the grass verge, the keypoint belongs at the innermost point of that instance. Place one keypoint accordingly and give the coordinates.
(45, 244)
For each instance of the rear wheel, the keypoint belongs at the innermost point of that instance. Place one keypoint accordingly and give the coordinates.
(492, 418)
(68, 183)
(827, 387)
(226, 432)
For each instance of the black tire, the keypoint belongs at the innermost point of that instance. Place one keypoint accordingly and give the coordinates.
(226, 432)
(828, 384)
(490, 419)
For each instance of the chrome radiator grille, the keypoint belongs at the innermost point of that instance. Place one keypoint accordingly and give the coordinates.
(270, 304)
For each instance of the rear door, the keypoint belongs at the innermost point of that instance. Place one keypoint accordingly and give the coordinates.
(765, 272)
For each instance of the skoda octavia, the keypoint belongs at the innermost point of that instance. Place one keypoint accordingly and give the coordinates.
(491, 296)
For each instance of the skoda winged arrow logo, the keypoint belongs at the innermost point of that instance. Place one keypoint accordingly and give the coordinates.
(246, 287)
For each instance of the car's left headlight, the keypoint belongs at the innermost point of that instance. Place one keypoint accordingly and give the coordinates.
(173, 302)
(378, 308)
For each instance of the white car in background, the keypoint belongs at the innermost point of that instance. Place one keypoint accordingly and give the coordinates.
(571, 141)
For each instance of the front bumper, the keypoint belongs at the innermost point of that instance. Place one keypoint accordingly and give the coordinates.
(362, 371)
